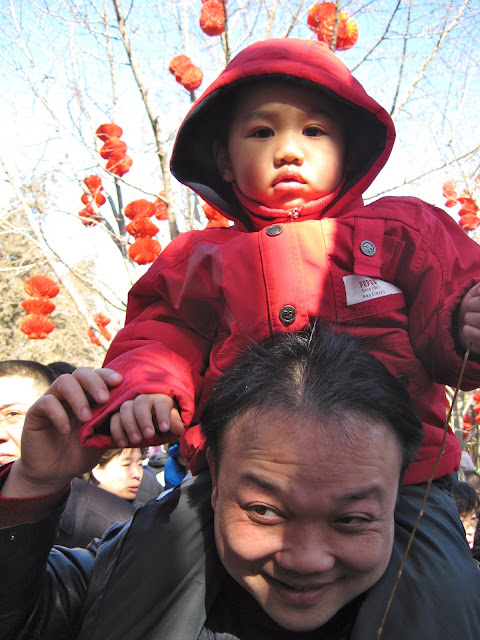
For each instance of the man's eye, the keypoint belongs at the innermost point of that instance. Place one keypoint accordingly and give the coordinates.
(262, 132)
(353, 522)
(264, 515)
(313, 132)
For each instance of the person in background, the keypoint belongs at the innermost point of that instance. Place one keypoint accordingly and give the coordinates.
(89, 511)
(176, 467)
(473, 479)
(119, 471)
(468, 503)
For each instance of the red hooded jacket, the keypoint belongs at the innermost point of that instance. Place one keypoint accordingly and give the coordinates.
(391, 273)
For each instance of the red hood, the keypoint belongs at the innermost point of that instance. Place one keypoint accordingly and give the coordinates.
(370, 134)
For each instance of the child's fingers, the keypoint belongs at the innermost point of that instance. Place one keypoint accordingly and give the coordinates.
(176, 424)
(163, 407)
(117, 431)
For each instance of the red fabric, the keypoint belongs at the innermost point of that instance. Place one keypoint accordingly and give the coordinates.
(211, 292)
(15, 511)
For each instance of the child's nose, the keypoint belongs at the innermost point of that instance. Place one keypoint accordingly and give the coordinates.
(289, 151)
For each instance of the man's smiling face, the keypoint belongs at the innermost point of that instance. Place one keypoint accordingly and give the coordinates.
(304, 516)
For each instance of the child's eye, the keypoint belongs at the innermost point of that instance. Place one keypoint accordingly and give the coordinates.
(262, 132)
(313, 131)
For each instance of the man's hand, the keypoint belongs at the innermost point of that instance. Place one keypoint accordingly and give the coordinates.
(469, 319)
(139, 419)
(51, 451)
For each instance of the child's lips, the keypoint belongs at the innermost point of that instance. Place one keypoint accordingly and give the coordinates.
(288, 177)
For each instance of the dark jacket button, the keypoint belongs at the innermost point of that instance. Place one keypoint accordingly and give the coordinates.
(274, 230)
(368, 248)
(287, 315)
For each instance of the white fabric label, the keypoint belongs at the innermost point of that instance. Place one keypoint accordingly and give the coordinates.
(363, 288)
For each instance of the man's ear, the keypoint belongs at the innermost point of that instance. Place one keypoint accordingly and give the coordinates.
(97, 474)
(211, 466)
(222, 160)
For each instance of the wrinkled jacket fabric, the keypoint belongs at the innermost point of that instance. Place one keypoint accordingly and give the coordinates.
(392, 273)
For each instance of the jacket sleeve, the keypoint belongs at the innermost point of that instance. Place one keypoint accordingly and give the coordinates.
(42, 589)
(444, 263)
(172, 317)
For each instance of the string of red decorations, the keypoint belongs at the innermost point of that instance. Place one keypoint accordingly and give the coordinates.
(212, 17)
(92, 200)
(37, 325)
(185, 72)
(321, 20)
(145, 247)
(214, 217)
(114, 150)
(468, 210)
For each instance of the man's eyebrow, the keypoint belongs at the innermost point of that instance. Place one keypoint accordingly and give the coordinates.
(251, 479)
(374, 492)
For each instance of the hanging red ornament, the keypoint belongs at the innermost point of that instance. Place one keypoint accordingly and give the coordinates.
(109, 130)
(119, 165)
(212, 18)
(140, 209)
(37, 327)
(321, 19)
(144, 250)
(161, 212)
(142, 228)
(41, 286)
(469, 222)
(177, 62)
(101, 320)
(92, 337)
(191, 78)
(215, 218)
(38, 306)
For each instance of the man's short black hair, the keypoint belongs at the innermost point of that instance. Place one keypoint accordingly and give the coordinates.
(320, 373)
(40, 373)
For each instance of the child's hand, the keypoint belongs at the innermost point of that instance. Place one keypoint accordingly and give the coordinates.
(139, 419)
(469, 319)
(51, 451)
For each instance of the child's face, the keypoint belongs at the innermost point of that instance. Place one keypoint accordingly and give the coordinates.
(286, 146)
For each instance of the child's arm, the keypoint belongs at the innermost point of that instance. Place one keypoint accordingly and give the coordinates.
(136, 419)
(469, 319)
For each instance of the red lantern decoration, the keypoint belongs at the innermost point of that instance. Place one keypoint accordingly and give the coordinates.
(92, 337)
(142, 228)
(140, 209)
(144, 250)
(38, 306)
(177, 62)
(469, 222)
(109, 130)
(114, 150)
(161, 212)
(212, 18)
(191, 78)
(214, 217)
(321, 19)
(41, 286)
(37, 327)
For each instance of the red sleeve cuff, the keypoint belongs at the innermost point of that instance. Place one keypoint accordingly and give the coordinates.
(15, 511)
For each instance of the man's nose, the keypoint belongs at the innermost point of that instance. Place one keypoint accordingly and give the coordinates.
(4, 433)
(289, 150)
(308, 550)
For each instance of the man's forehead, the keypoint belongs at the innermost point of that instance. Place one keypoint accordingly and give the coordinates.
(17, 389)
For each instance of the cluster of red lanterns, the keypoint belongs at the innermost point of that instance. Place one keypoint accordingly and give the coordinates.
(37, 325)
(89, 215)
(114, 150)
(321, 19)
(212, 17)
(215, 219)
(468, 211)
(101, 320)
(145, 248)
(185, 72)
